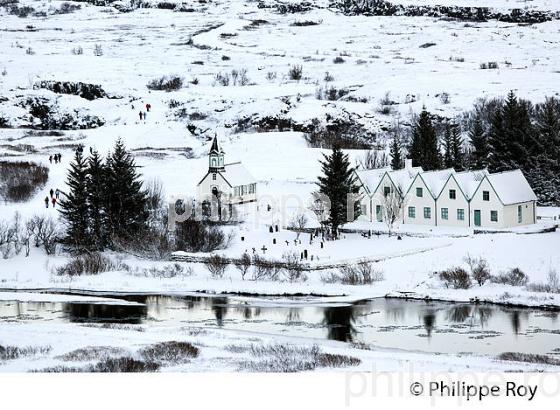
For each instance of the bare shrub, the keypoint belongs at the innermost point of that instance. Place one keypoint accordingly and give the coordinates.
(457, 278)
(513, 277)
(243, 264)
(529, 358)
(295, 72)
(479, 269)
(122, 365)
(45, 232)
(374, 159)
(265, 268)
(97, 50)
(361, 273)
(271, 76)
(293, 268)
(216, 265)
(169, 352)
(552, 284)
(166, 83)
(89, 353)
(338, 60)
(90, 264)
(15, 352)
(78, 50)
(222, 79)
(20, 180)
(199, 236)
(298, 222)
(168, 271)
(286, 358)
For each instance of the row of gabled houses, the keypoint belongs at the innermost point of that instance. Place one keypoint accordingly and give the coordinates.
(449, 198)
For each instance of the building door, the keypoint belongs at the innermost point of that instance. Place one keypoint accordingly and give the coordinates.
(378, 213)
(476, 217)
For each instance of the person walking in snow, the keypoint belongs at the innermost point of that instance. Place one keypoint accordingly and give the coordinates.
(50, 159)
(148, 106)
(53, 202)
(57, 193)
(140, 114)
(46, 201)
(51, 192)
(145, 115)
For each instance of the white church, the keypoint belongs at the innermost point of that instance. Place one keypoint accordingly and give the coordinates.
(477, 199)
(231, 182)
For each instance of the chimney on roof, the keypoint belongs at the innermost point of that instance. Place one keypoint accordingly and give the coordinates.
(407, 163)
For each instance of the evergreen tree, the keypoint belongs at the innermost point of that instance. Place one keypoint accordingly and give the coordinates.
(74, 206)
(96, 190)
(338, 184)
(457, 148)
(424, 147)
(478, 158)
(447, 148)
(126, 201)
(396, 155)
(510, 133)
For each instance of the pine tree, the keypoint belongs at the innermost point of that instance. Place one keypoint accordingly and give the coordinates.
(478, 158)
(338, 184)
(457, 148)
(96, 190)
(510, 134)
(126, 201)
(424, 147)
(74, 206)
(447, 148)
(396, 155)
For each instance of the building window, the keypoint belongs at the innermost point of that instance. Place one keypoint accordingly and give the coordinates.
(444, 213)
(252, 188)
(213, 177)
(419, 192)
(486, 195)
(494, 216)
(519, 214)
(460, 214)
(427, 212)
(411, 212)
(386, 190)
(452, 194)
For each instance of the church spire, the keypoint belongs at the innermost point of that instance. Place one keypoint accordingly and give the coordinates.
(216, 157)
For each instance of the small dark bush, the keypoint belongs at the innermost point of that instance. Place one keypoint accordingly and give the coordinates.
(166, 83)
(295, 72)
(514, 277)
(15, 352)
(20, 180)
(458, 278)
(123, 365)
(89, 264)
(89, 353)
(217, 266)
(338, 60)
(479, 269)
(198, 236)
(172, 352)
(529, 358)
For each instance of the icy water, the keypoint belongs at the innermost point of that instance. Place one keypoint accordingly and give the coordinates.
(392, 323)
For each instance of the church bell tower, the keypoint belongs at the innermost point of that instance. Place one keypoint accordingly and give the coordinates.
(216, 157)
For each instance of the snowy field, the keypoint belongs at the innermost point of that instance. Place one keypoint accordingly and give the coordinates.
(415, 60)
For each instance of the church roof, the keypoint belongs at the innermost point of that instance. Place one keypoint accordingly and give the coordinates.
(216, 148)
(236, 174)
(512, 187)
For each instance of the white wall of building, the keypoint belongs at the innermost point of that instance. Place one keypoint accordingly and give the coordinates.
(478, 203)
(453, 205)
(419, 203)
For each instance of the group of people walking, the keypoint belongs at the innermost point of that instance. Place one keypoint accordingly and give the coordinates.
(56, 158)
(54, 195)
(142, 114)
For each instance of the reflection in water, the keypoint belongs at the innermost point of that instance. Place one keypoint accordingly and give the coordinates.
(383, 322)
(459, 314)
(340, 323)
(429, 320)
(84, 312)
(219, 307)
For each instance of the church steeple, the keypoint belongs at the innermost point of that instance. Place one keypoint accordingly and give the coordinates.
(216, 157)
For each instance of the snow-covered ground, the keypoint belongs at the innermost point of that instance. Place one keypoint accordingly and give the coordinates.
(380, 55)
